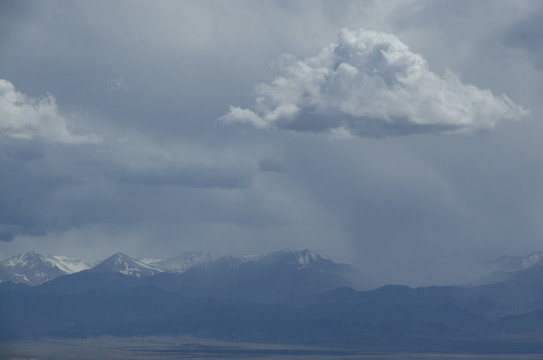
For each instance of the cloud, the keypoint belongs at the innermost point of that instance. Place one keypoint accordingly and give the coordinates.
(50, 187)
(199, 174)
(370, 84)
(270, 165)
(113, 85)
(26, 118)
(525, 35)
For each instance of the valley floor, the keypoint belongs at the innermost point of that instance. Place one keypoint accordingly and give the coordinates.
(167, 348)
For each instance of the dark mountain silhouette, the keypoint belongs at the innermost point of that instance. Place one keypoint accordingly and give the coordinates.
(275, 277)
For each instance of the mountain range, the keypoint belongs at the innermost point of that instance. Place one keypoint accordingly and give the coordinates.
(283, 297)
(31, 268)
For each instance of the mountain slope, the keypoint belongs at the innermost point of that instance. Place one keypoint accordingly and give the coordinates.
(520, 292)
(507, 267)
(66, 264)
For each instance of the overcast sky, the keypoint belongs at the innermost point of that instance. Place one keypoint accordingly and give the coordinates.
(404, 137)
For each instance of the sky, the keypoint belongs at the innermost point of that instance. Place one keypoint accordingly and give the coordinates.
(403, 137)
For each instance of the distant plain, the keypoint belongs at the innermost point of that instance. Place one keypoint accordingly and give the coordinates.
(166, 348)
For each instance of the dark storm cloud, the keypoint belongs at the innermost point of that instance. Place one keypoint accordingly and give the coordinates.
(193, 175)
(270, 165)
(11, 12)
(52, 188)
(54, 179)
(526, 35)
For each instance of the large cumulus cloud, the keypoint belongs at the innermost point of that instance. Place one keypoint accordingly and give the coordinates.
(371, 84)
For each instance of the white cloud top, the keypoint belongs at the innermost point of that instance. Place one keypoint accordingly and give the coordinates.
(370, 84)
(24, 117)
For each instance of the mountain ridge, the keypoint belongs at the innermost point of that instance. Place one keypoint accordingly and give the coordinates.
(33, 269)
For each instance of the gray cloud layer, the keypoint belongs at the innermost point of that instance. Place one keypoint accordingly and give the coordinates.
(54, 179)
(371, 84)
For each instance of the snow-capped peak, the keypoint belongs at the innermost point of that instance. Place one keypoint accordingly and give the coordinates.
(32, 268)
(28, 259)
(31, 259)
(124, 264)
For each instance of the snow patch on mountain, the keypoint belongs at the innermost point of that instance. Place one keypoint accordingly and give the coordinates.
(304, 259)
(181, 262)
(67, 264)
(532, 259)
(515, 263)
